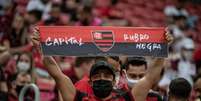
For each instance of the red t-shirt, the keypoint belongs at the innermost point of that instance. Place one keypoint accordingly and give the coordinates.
(71, 74)
(116, 96)
(12, 97)
(84, 86)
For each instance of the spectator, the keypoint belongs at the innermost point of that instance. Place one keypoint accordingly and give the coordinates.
(179, 10)
(120, 76)
(7, 16)
(84, 86)
(42, 5)
(17, 39)
(197, 88)
(179, 90)
(81, 70)
(136, 68)
(176, 10)
(102, 78)
(15, 84)
(33, 17)
(84, 64)
(23, 63)
(86, 18)
(54, 17)
(178, 31)
(70, 7)
(181, 65)
(186, 65)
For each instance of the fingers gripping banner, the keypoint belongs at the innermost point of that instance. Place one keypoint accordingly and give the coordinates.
(101, 41)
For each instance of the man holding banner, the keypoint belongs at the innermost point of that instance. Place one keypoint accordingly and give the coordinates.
(102, 76)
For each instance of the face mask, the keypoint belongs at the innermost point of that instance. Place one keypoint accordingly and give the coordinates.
(18, 89)
(23, 66)
(131, 82)
(188, 55)
(102, 88)
(117, 76)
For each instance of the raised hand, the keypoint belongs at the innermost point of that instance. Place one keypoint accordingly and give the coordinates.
(35, 38)
(169, 38)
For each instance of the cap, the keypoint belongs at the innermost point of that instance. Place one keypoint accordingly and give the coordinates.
(101, 65)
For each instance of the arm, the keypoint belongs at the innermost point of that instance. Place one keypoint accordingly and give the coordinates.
(19, 49)
(4, 56)
(141, 89)
(63, 83)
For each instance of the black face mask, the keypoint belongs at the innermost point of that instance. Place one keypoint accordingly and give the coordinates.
(19, 88)
(102, 88)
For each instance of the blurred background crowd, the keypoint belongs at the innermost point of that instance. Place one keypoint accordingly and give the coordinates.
(20, 62)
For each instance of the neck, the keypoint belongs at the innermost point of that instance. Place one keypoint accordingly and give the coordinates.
(78, 73)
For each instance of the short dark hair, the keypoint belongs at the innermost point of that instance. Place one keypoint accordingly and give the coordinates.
(100, 58)
(81, 60)
(179, 17)
(116, 58)
(198, 76)
(36, 13)
(135, 61)
(180, 88)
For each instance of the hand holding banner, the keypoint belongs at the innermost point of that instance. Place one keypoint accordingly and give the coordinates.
(101, 40)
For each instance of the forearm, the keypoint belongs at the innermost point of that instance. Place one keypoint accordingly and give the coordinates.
(154, 71)
(3, 86)
(63, 82)
(60, 96)
(4, 56)
(20, 49)
(151, 77)
(66, 89)
(52, 67)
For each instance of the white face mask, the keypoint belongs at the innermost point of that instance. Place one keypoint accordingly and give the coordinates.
(23, 66)
(131, 82)
(188, 55)
(117, 76)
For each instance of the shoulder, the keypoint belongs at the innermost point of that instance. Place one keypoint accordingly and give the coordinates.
(154, 95)
(125, 94)
(79, 96)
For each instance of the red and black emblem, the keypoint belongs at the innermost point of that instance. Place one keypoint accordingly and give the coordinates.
(104, 40)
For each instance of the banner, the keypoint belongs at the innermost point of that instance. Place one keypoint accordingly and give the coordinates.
(102, 41)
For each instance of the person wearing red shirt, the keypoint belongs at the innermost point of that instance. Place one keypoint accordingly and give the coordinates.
(83, 84)
(102, 80)
(136, 68)
(15, 84)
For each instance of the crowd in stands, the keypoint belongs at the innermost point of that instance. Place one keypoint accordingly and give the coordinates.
(21, 63)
